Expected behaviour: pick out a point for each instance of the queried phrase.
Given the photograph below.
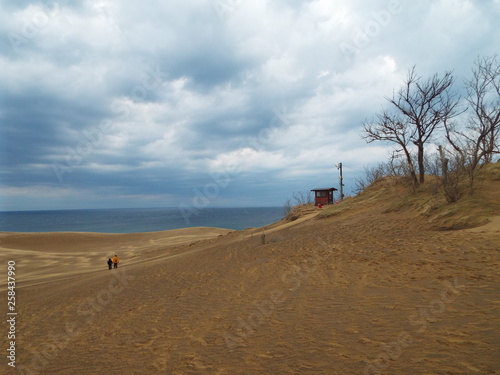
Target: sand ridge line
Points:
(492, 226)
(281, 226)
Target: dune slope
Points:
(369, 289)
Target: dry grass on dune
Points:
(372, 285)
(428, 203)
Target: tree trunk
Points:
(421, 167)
(413, 175)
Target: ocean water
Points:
(136, 220)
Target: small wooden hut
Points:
(323, 196)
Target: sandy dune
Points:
(366, 292)
(43, 257)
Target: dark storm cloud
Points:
(130, 104)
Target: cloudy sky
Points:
(108, 104)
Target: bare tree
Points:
(372, 175)
(298, 198)
(452, 174)
(394, 167)
(392, 128)
(425, 105)
(287, 207)
(301, 197)
(418, 109)
(484, 99)
(398, 168)
(479, 140)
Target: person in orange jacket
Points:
(115, 261)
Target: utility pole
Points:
(339, 167)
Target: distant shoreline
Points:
(130, 209)
(135, 220)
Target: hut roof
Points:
(324, 189)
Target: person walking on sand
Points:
(110, 262)
(115, 261)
